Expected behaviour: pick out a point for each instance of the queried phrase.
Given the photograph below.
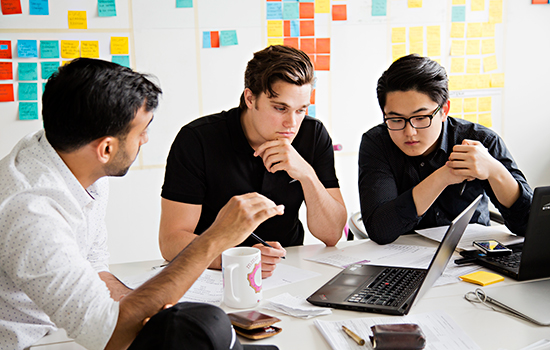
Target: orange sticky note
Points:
(307, 28)
(11, 7)
(339, 13)
(77, 20)
(215, 39)
(307, 45)
(322, 45)
(5, 49)
(119, 45)
(322, 62)
(6, 92)
(6, 71)
(286, 28)
(307, 10)
(312, 97)
(292, 42)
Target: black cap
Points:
(191, 326)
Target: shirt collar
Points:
(82, 195)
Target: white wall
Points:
(167, 43)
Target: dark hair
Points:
(417, 73)
(88, 99)
(276, 63)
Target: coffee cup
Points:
(242, 277)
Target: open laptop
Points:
(533, 260)
(529, 300)
(367, 288)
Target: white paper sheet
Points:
(441, 332)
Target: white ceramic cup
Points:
(242, 277)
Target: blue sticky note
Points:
(3, 47)
(184, 3)
(27, 71)
(27, 48)
(206, 41)
(106, 8)
(458, 14)
(48, 68)
(49, 49)
(306, 0)
(28, 110)
(123, 60)
(28, 92)
(291, 10)
(228, 38)
(379, 7)
(294, 29)
(39, 7)
(311, 111)
(274, 10)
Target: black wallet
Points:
(403, 336)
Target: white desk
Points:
(489, 329)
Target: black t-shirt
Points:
(211, 161)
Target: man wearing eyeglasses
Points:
(421, 168)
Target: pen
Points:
(354, 336)
(463, 187)
(253, 235)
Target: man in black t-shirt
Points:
(267, 145)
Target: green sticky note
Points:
(106, 8)
(49, 49)
(228, 37)
(122, 60)
(27, 71)
(28, 110)
(28, 92)
(48, 68)
(184, 3)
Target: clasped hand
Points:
(281, 155)
(470, 160)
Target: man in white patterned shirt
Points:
(53, 196)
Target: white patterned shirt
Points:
(52, 246)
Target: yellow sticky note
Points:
(497, 80)
(472, 47)
(473, 66)
(119, 45)
(77, 20)
(275, 28)
(415, 3)
(470, 104)
(484, 81)
(495, 11)
(457, 48)
(417, 48)
(434, 40)
(484, 104)
(487, 30)
(470, 81)
(456, 82)
(473, 30)
(459, 2)
(456, 106)
(65, 62)
(322, 6)
(478, 5)
(398, 35)
(275, 41)
(70, 48)
(487, 46)
(471, 117)
(89, 49)
(490, 63)
(434, 49)
(416, 34)
(457, 30)
(398, 51)
(457, 65)
(485, 119)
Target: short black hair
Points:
(276, 63)
(417, 73)
(87, 99)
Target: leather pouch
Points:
(404, 336)
(254, 324)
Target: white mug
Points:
(242, 277)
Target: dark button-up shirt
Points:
(387, 177)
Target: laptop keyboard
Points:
(390, 287)
(511, 261)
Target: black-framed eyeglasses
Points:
(417, 122)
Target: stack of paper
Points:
(295, 306)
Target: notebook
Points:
(529, 300)
(533, 261)
(370, 288)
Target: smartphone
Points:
(492, 247)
